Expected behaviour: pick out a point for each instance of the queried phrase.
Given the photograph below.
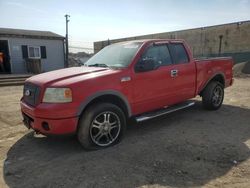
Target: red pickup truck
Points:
(139, 79)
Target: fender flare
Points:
(211, 78)
(102, 93)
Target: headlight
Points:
(57, 95)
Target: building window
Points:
(34, 52)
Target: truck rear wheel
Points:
(213, 95)
(101, 125)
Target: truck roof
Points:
(152, 40)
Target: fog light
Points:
(45, 126)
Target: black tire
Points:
(213, 95)
(91, 126)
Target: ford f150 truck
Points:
(139, 79)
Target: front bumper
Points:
(47, 126)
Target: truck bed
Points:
(207, 67)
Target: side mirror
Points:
(145, 65)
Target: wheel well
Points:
(109, 98)
(217, 78)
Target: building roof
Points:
(21, 33)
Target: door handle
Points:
(174, 73)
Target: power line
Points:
(80, 41)
(78, 47)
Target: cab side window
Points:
(160, 54)
(178, 53)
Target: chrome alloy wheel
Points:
(217, 96)
(105, 128)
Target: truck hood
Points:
(63, 74)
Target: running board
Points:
(154, 114)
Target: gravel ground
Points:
(188, 148)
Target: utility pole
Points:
(67, 42)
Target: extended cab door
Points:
(153, 89)
(183, 72)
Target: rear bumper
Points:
(229, 82)
(232, 81)
(47, 126)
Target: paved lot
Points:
(192, 147)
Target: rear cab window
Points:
(178, 53)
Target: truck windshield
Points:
(115, 56)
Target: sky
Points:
(96, 20)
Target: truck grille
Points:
(31, 94)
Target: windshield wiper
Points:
(98, 65)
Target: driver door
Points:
(152, 89)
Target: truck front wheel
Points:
(101, 125)
(213, 95)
